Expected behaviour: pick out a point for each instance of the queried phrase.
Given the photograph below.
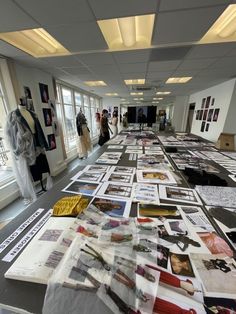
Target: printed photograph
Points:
(220, 305)
(212, 101)
(111, 207)
(183, 195)
(203, 102)
(44, 92)
(178, 227)
(155, 176)
(159, 211)
(27, 92)
(77, 187)
(51, 235)
(52, 141)
(203, 126)
(210, 114)
(207, 127)
(215, 115)
(117, 189)
(181, 265)
(119, 177)
(215, 244)
(121, 169)
(93, 177)
(47, 114)
(208, 102)
(205, 115)
(200, 114)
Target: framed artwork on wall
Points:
(208, 102)
(215, 115)
(47, 114)
(52, 141)
(212, 101)
(203, 102)
(207, 127)
(27, 92)
(210, 114)
(205, 115)
(44, 92)
(197, 114)
(203, 126)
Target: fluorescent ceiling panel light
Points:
(136, 94)
(178, 80)
(36, 42)
(163, 93)
(224, 29)
(138, 98)
(135, 82)
(111, 94)
(155, 102)
(133, 32)
(138, 102)
(123, 99)
(95, 83)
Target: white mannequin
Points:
(27, 116)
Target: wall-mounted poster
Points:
(52, 141)
(215, 115)
(55, 127)
(47, 114)
(29, 100)
(205, 115)
(203, 102)
(53, 108)
(44, 92)
(207, 127)
(200, 114)
(212, 101)
(210, 114)
(208, 102)
(203, 126)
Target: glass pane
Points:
(2, 113)
(67, 97)
(78, 99)
(77, 109)
(94, 125)
(70, 136)
(86, 100)
(92, 102)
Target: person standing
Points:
(84, 141)
(114, 123)
(104, 128)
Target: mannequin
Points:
(84, 141)
(27, 144)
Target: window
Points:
(71, 101)
(6, 173)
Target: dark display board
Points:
(142, 114)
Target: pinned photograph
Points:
(44, 92)
(215, 115)
(181, 265)
(208, 100)
(203, 102)
(52, 141)
(76, 187)
(111, 207)
(200, 114)
(47, 114)
(155, 176)
(178, 194)
(119, 190)
(205, 115)
(210, 114)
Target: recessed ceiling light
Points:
(111, 94)
(138, 98)
(36, 42)
(95, 83)
(155, 102)
(134, 32)
(163, 93)
(135, 82)
(123, 99)
(178, 80)
(136, 94)
(224, 29)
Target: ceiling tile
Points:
(79, 37)
(62, 62)
(10, 51)
(224, 63)
(61, 12)
(133, 67)
(12, 18)
(158, 75)
(184, 26)
(96, 58)
(106, 9)
(173, 53)
(77, 71)
(105, 70)
(163, 66)
(196, 64)
(134, 56)
(170, 5)
(210, 50)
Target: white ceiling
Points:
(179, 24)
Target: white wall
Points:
(180, 113)
(31, 77)
(222, 94)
